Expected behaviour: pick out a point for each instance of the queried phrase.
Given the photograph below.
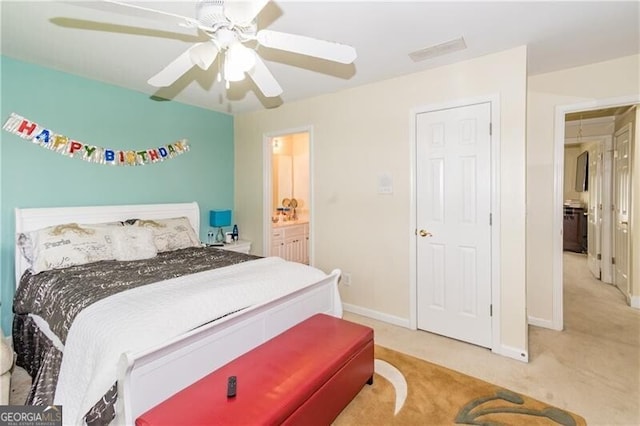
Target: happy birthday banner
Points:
(46, 138)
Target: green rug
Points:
(434, 395)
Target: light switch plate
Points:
(385, 183)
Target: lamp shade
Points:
(219, 218)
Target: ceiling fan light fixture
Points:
(238, 60)
(231, 71)
(240, 56)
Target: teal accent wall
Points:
(107, 116)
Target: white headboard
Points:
(38, 218)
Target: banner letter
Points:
(131, 158)
(74, 146)
(59, 140)
(89, 150)
(43, 136)
(29, 127)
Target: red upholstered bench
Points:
(304, 376)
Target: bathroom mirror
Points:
(290, 170)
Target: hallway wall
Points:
(545, 92)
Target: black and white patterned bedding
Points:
(58, 296)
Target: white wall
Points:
(362, 132)
(571, 153)
(635, 217)
(570, 162)
(545, 92)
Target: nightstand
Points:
(241, 246)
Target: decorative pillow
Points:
(70, 244)
(25, 245)
(170, 234)
(133, 243)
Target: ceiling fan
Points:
(229, 24)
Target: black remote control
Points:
(231, 386)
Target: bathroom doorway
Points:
(288, 195)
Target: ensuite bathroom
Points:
(290, 164)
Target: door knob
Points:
(424, 233)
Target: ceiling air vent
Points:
(438, 50)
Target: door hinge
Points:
(599, 256)
(490, 129)
(490, 219)
(613, 260)
(491, 310)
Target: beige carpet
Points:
(439, 396)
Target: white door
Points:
(453, 194)
(621, 205)
(606, 201)
(594, 220)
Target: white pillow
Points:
(133, 243)
(69, 244)
(171, 234)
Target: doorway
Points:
(588, 172)
(287, 200)
(559, 200)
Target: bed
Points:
(133, 348)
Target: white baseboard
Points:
(503, 350)
(510, 352)
(635, 302)
(540, 322)
(380, 316)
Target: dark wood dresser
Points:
(575, 229)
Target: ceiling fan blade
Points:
(242, 12)
(263, 78)
(140, 12)
(203, 54)
(176, 68)
(329, 50)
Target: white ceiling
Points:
(126, 51)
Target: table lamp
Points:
(218, 219)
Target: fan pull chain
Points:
(219, 76)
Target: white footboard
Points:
(148, 378)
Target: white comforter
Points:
(146, 316)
